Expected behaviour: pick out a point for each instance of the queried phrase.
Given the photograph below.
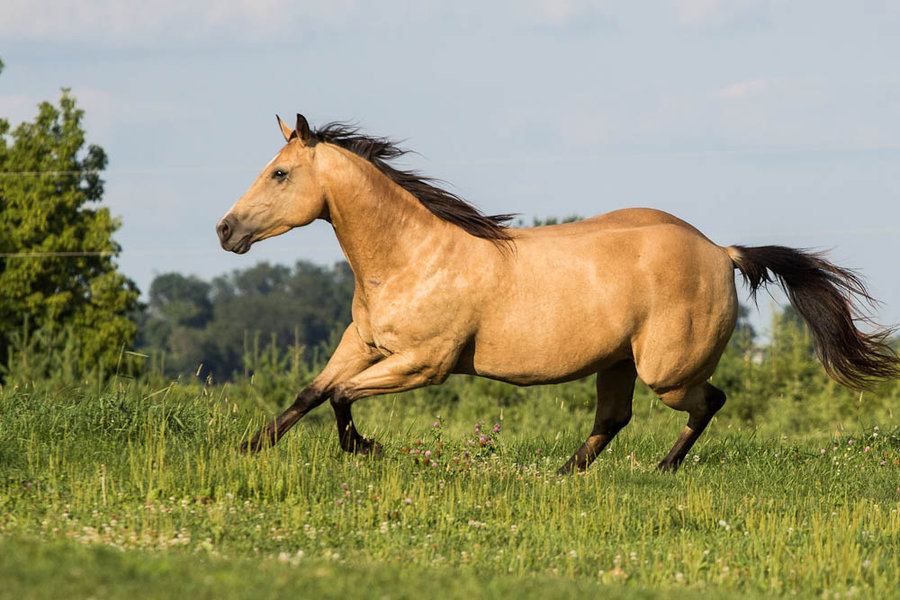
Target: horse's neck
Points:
(381, 227)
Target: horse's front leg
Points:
(351, 357)
(397, 373)
(350, 439)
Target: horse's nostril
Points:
(224, 230)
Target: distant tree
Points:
(180, 300)
(744, 334)
(57, 266)
(538, 222)
(219, 324)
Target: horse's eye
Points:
(279, 174)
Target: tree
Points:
(57, 268)
(221, 325)
(181, 300)
(538, 222)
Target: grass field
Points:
(132, 489)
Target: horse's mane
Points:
(445, 205)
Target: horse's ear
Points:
(285, 130)
(302, 129)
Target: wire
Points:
(154, 171)
(53, 254)
(39, 173)
(212, 249)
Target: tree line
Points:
(212, 328)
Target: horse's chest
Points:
(392, 322)
(378, 323)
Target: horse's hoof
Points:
(667, 467)
(368, 447)
(250, 447)
(573, 465)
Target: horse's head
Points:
(286, 194)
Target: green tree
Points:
(181, 300)
(57, 268)
(538, 222)
(226, 325)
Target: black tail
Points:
(830, 300)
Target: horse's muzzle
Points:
(225, 229)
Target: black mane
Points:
(443, 204)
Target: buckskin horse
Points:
(441, 288)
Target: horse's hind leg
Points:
(615, 388)
(701, 403)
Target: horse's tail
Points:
(830, 299)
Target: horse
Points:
(441, 288)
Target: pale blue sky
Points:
(757, 121)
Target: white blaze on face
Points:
(269, 164)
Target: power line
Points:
(39, 173)
(185, 251)
(148, 171)
(54, 254)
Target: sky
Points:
(758, 121)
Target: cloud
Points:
(770, 113)
(117, 23)
(745, 89)
(564, 14)
(761, 111)
(722, 14)
(106, 115)
(16, 108)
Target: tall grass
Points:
(135, 467)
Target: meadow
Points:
(131, 487)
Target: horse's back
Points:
(625, 218)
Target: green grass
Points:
(132, 490)
(32, 569)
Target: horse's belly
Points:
(545, 348)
